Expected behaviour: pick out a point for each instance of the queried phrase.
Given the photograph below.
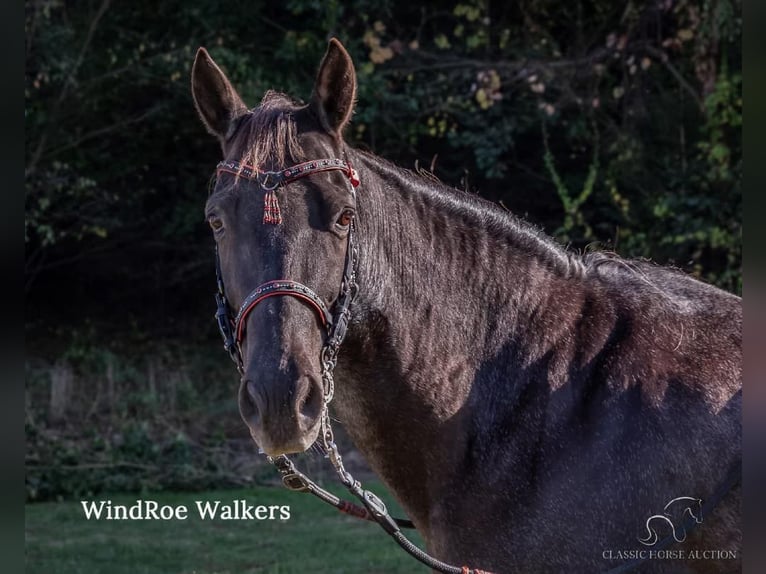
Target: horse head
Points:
(695, 510)
(274, 225)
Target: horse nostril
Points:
(310, 406)
(248, 402)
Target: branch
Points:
(523, 67)
(102, 131)
(684, 83)
(38, 153)
(139, 63)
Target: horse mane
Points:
(607, 267)
(489, 216)
(610, 264)
(268, 134)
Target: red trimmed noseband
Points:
(275, 288)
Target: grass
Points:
(316, 538)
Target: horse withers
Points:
(529, 407)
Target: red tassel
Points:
(354, 178)
(271, 212)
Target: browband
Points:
(273, 179)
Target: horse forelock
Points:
(267, 137)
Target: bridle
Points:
(334, 321)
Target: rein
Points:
(335, 324)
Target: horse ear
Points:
(334, 89)
(216, 100)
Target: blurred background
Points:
(610, 124)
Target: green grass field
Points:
(316, 538)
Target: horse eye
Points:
(215, 223)
(345, 218)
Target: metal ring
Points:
(265, 182)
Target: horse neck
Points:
(445, 284)
(450, 275)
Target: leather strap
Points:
(273, 289)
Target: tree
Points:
(616, 124)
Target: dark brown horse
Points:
(530, 408)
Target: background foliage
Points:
(609, 124)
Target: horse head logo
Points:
(673, 515)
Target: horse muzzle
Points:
(283, 417)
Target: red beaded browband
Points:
(271, 180)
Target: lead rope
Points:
(374, 508)
(377, 508)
